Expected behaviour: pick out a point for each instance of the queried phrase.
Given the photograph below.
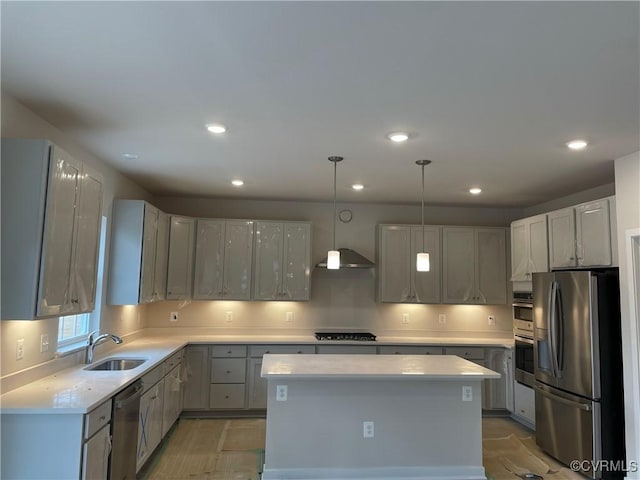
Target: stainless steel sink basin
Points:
(114, 364)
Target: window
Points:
(74, 329)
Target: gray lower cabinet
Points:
(228, 377)
(496, 393)
(409, 350)
(97, 445)
(150, 416)
(196, 385)
(257, 396)
(347, 349)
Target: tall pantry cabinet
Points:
(51, 218)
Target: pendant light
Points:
(422, 259)
(333, 257)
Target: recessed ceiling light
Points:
(475, 191)
(357, 186)
(129, 156)
(237, 183)
(216, 128)
(577, 144)
(398, 137)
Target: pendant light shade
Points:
(422, 259)
(333, 256)
(422, 262)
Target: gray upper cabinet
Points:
(137, 266)
(474, 265)
(162, 248)
(180, 263)
(581, 236)
(51, 218)
(282, 261)
(399, 281)
(224, 250)
(529, 251)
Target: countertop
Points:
(78, 391)
(368, 367)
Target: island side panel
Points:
(416, 423)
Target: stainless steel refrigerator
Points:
(579, 404)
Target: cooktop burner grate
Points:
(352, 336)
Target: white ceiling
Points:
(489, 91)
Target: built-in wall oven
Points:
(523, 337)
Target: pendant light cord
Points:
(423, 208)
(335, 170)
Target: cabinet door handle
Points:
(102, 417)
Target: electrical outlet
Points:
(442, 318)
(20, 349)
(405, 318)
(467, 394)
(44, 343)
(492, 320)
(367, 430)
(229, 317)
(289, 317)
(173, 317)
(281, 393)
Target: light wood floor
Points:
(221, 449)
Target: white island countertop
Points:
(351, 367)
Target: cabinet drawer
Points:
(347, 349)
(222, 395)
(229, 351)
(151, 378)
(228, 370)
(409, 350)
(468, 353)
(524, 402)
(260, 350)
(97, 418)
(172, 361)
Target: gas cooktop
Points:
(352, 336)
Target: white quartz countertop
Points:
(76, 390)
(370, 367)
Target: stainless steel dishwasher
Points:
(124, 431)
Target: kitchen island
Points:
(374, 417)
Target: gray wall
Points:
(628, 217)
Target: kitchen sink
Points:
(114, 364)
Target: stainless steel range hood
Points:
(349, 259)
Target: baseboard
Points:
(377, 473)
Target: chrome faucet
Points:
(93, 342)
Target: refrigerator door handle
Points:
(552, 327)
(559, 320)
(564, 401)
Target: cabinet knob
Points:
(102, 417)
(267, 351)
(226, 396)
(228, 371)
